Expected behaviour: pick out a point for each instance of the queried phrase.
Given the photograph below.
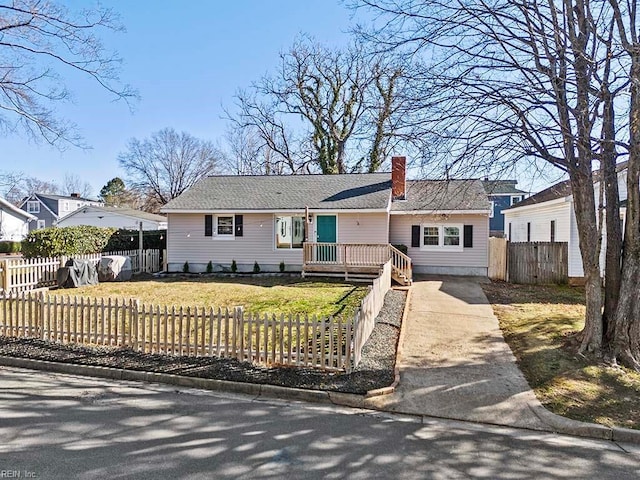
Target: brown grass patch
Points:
(536, 322)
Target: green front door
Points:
(326, 233)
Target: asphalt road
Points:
(56, 426)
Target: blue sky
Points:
(186, 59)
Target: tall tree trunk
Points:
(627, 319)
(613, 256)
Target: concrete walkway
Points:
(454, 361)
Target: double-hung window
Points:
(224, 225)
(289, 231)
(33, 206)
(442, 237)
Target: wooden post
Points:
(140, 249)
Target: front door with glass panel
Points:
(326, 233)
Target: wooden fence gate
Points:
(498, 258)
(538, 262)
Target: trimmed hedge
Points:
(55, 242)
(128, 240)
(9, 247)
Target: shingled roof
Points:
(559, 190)
(443, 195)
(368, 191)
(502, 187)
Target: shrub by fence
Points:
(65, 241)
(333, 343)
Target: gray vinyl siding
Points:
(45, 215)
(186, 243)
(467, 261)
(363, 228)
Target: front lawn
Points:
(257, 294)
(536, 322)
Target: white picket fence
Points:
(21, 274)
(332, 343)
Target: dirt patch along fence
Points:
(332, 343)
(22, 274)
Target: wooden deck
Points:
(355, 261)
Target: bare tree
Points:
(515, 79)
(72, 183)
(38, 41)
(163, 166)
(248, 154)
(323, 109)
(15, 186)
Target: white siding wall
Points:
(12, 227)
(108, 219)
(363, 227)
(540, 219)
(469, 261)
(575, 257)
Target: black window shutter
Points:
(208, 225)
(415, 235)
(468, 236)
(239, 230)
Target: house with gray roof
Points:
(49, 208)
(549, 216)
(502, 194)
(115, 217)
(329, 220)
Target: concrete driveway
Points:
(454, 361)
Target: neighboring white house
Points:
(116, 217)
(14, 222)
(549, 216)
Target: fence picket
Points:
(285, 339)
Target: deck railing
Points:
(354, 254)
(342, 256)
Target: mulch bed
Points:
(374, 371)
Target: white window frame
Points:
(493, 206)
(32, 203)
(441, 246)
(290, 247)
(40, 224)
(65, 206)
(519, 199)
(224, 236)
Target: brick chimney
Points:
(398, 178)
(75, 195)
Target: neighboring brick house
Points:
(502, 195)
(48, 208)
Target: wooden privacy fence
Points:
(538, 262)
(21, 274)
(332, 343)
(497, 258)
